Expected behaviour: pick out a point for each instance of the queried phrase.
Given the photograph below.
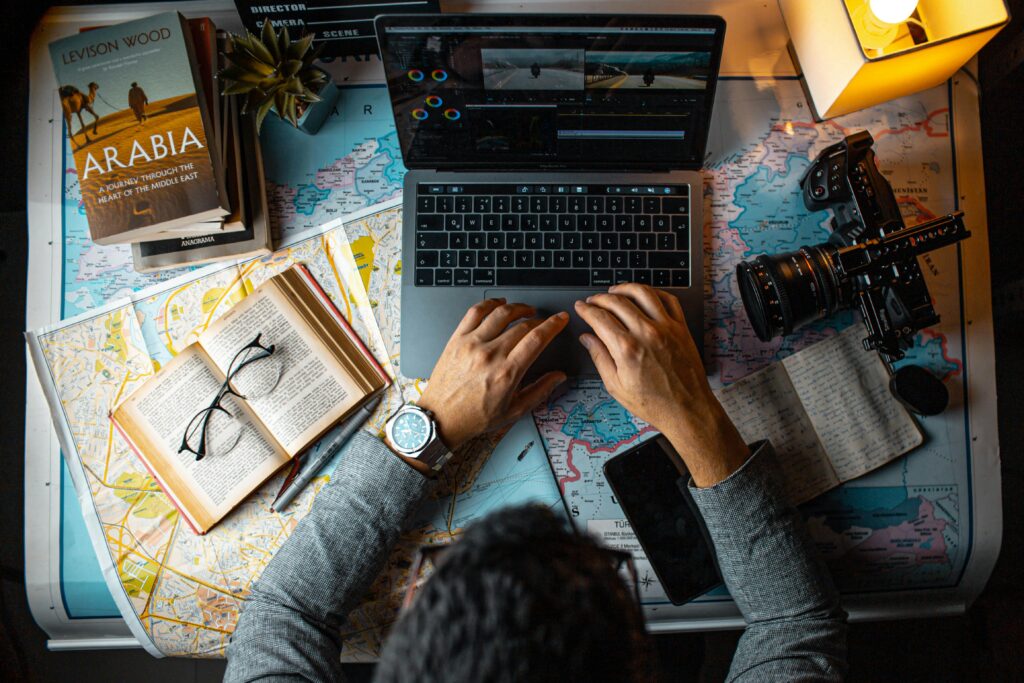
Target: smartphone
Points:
(650, 482)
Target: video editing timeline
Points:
(553, 96)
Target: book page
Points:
(764, 405)
(845, 391)
(155, 417)
(313, 391)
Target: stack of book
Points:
(164, 162)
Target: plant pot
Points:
(317, 112)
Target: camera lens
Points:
(783, 292)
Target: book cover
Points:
(140, 128)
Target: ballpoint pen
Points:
(316, 461)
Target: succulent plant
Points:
(272, 72)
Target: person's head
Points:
(134, 84)
(520, 598)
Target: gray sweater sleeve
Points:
(796, 630)
(289, 629)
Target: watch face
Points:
(410, 431)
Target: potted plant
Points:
(274, 72)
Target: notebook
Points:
(827, 411)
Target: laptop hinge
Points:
(558, 169)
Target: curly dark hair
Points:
(520, 598)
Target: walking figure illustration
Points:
(137, 100)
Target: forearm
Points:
(707, 441)
(290, 625)
(796, 628)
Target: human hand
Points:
(649, 363)
(475, 385)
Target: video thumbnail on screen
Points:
(532, 69)
(654, 70)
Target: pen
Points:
(525, 450)
(342, 434)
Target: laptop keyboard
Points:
(515, 235)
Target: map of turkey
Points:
(878, 532)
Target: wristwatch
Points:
(412, 434)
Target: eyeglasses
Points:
(429, 557)
(215, 428)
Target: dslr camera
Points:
(869, 262)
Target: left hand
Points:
(474, 388)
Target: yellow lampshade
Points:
(857, 53)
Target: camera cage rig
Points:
(869, 261)
(894, 303)
(877, 300)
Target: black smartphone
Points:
(650, 482)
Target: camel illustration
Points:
(73, 101)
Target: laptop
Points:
(548, 157)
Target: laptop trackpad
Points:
(565, 353)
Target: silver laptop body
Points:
(430, 313)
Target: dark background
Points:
(984, 644)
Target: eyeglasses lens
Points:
(258, 374)
(223, 430)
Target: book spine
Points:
(156, 477)
(200, 31)
(320, 294)
(205, 112)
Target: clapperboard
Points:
(342, 27)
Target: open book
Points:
(828, 413)
(325, 374)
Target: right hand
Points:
(649, 363)
(474, 387)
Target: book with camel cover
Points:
(140, 128)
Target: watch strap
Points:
(435, 454)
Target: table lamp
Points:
(856, 53)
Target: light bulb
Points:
(893, 11)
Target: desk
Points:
(955, 488)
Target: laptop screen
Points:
(551, 91)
